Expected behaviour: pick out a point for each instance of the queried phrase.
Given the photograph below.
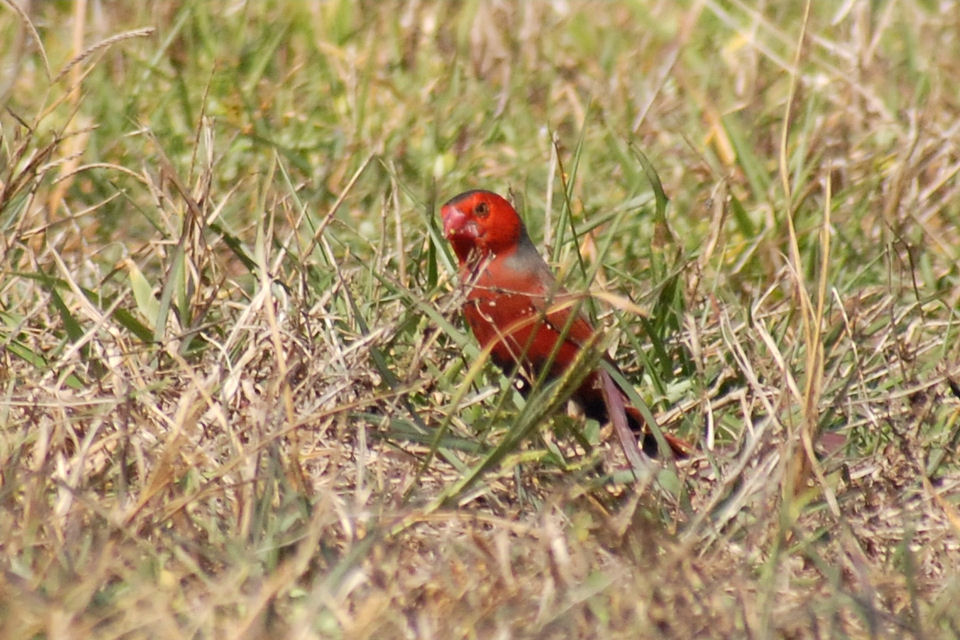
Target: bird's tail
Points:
(679, 448)
(601, 398)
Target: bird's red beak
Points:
(454, 221)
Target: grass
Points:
(237, 398)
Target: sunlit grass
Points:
(238, 399)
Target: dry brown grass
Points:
(236, 398)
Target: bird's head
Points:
(481, 223)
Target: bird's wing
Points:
(524, 272)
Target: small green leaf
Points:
(147, 304)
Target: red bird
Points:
(515, 304)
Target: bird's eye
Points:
(482, 210)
